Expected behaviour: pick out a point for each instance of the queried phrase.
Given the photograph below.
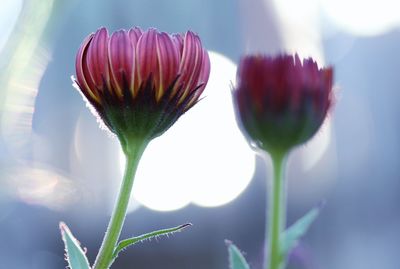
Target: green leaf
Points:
(236, 259)
(292, 235)
(131, 241)
(75, 255)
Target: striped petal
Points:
(82, 72)
(191, 62)
(204, 74)
(178, 40)
(146, 56)
(97, 58)
(122, 62)
(134, 34)
(202, 80)
(168, 62)
(205, 68)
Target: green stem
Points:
(277, 213)
(133, 153)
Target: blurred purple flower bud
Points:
(280, 101)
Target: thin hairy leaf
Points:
(73, 252)
(133, 240)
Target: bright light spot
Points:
(362, 17)
(203, 158)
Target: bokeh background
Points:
(57, 165)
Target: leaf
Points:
(75, 255)
(236, 259)
(291, 236)
(133, 240)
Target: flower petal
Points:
(191, 63)
(168, 62)
(134, 34)
(203, 77)
(205, 68)
(97, 58)
(146, 56)
(82, 76)
(178, 40)
(122, 62)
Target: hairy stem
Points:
(133, 152)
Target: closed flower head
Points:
(141, 82)
(281, 101)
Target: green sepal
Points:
(73, 252)
(292, 235)
(236, 258)
(122, 245)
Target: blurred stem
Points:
(277, 213)
(133, 152)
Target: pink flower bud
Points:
(141, 82)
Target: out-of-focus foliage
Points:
(236, 259)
